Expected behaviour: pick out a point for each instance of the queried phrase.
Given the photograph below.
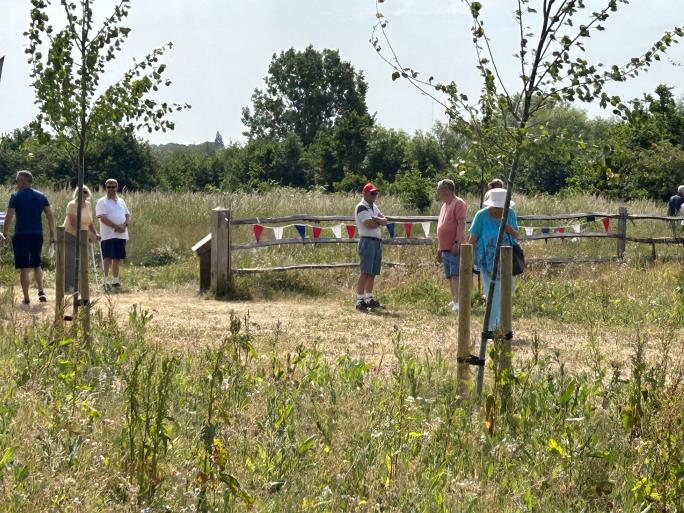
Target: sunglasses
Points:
(374, 193)
(111, 187)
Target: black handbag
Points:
(518, 260)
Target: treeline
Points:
(310, 128)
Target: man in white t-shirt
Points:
(114, 217)
(369, 219)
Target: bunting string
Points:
(336, 229)
(350, 229)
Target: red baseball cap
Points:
(369, 187)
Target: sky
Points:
(222, 49)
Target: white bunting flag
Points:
(426, 228)
(337, 230)
(278, 232)
(577, 228)
(529, 230)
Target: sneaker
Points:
(372, 303)
(454, 306)
(361, 305)
(26, 302)
(117, 284)
(42, 297)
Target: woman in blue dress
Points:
(484, 231)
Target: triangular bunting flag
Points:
(390, 229)
(407, 229)
(301, 229)
(316, 231)
(278, 232)
(351, 230)
(545, 231)
(337, 230)
(560, 229)
(426, 228)
(591, 219)
(529, 230)
(258, 230)
(577, 228)
(606, 224)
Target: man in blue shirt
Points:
(28, 205)
(674, 206)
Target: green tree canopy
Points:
(305, 92)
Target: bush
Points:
(160, 256)
(414, 190)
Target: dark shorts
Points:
(114, 249)
(370, 253)
(452, 264)
(27, 251)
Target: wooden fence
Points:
(216, 259)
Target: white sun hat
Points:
(497, 199)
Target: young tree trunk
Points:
(81, 159)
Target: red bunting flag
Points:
(316, 231)
(606, 223)
(560, 229)
(407, 229)
(351, 230)
(258, 230)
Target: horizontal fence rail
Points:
(616, 231)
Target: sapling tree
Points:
(552, 67)
(68, 68)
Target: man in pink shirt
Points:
(451, 233)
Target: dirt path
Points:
(186, 321)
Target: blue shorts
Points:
(370, 253)
(27, 250)
(114, 249)
(452, 264)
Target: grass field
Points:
(292, 401)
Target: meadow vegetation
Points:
(260, 420)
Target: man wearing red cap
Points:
(369, 219)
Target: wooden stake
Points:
(506, 304)
(622, 231)
(84, 286)
(59, 277)
(221, 277)
(464, 299)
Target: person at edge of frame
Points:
(26, 206)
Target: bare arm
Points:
(456, 246)
(8, 221)
(512, 231)
(51, 222)
(119, 228)
(473, 240)
(380, 220)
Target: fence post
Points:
(506, 306)
(221, 276)
(622, 230)
(464, 300)
(83, 284)
(59, 277)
